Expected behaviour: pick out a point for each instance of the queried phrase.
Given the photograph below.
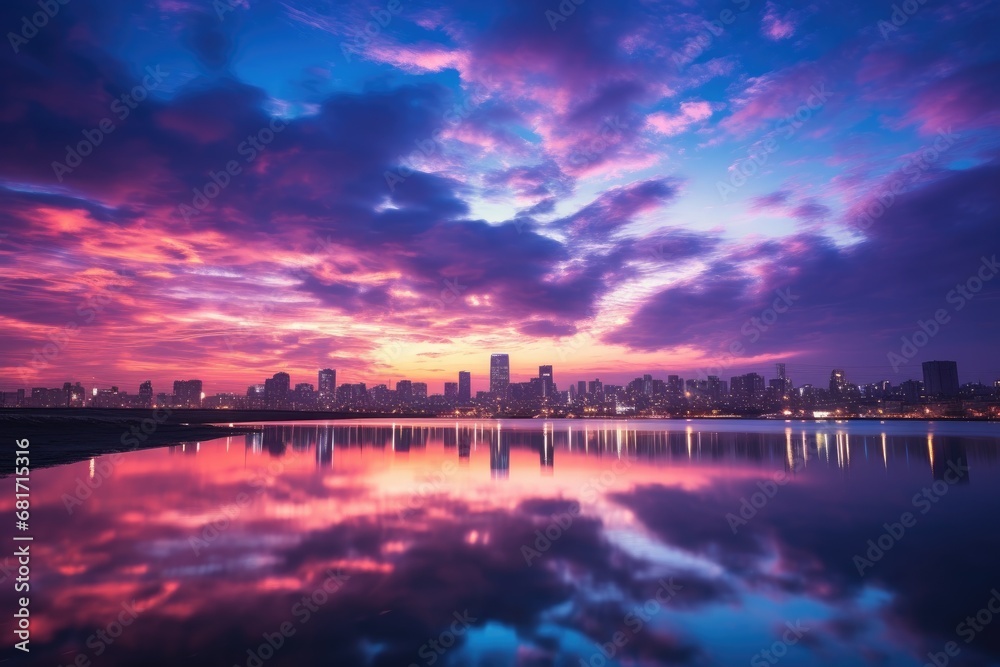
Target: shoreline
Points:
(202, 416)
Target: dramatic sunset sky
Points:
(615, 190)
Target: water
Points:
(525, 543)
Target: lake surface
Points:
(438, 542)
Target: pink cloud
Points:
(419, 58)
(774, 26)
(691, 112)
(778, 95)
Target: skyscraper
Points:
(404, 392)
(464, 386)
(451, 390)
(548, 385)
(276, 391)
(838, 382)
(784, 383)
(146, 394)
(419, 391)
(499, 373)
(327, 386)
(187, 393)
(941, 379)
(596, 389)
(746, 389)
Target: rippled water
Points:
(525, 543)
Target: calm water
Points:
(525, 543)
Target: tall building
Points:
(304, 397)
(838, 382)
(746, 389)
(596, 389)
(146, 394)
(784, 384)
(464, 386)
(911, 390)
(548, 384)
(713, 387)
(327, 384)
(187, 393)
(581, 389)
(404, 392)
(277, 390)
(941, 379)
(499, 373)
(419, 391)
(451, 390)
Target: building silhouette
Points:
(548, 384)
(838, 382)
(327, 386)
(464, 386)
(276, 391)
(187, 393)
(499, 374)
(941, 379)
(146, 394)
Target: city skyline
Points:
(612, 188)
(483, 382)
(940, 380)
(525, 332)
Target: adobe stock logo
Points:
(31, 25)
(566, 9)
(959, 297)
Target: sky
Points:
(397, 189)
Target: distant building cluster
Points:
(939, 394)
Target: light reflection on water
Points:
(554, 536)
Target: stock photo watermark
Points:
(959, 297)
(968, 629)
(561, 13)
(912, 170)
(697, 45)
(635, 621)
(106, 465)
(752, 329)
(223, 7)
(894, 532)
(381, 18)
(743, 170)
(431, 485)
(302, 611)
(749, 507)
(432, 650)
(122, 107)
(611, 133)
(251, 325)
(791, 636)
(229, 513)
(450, 294)
(105, 637)
(901, 14)
(249, 149)
(561, 522)
(430, 146)
(58, 342)
(31, 24)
